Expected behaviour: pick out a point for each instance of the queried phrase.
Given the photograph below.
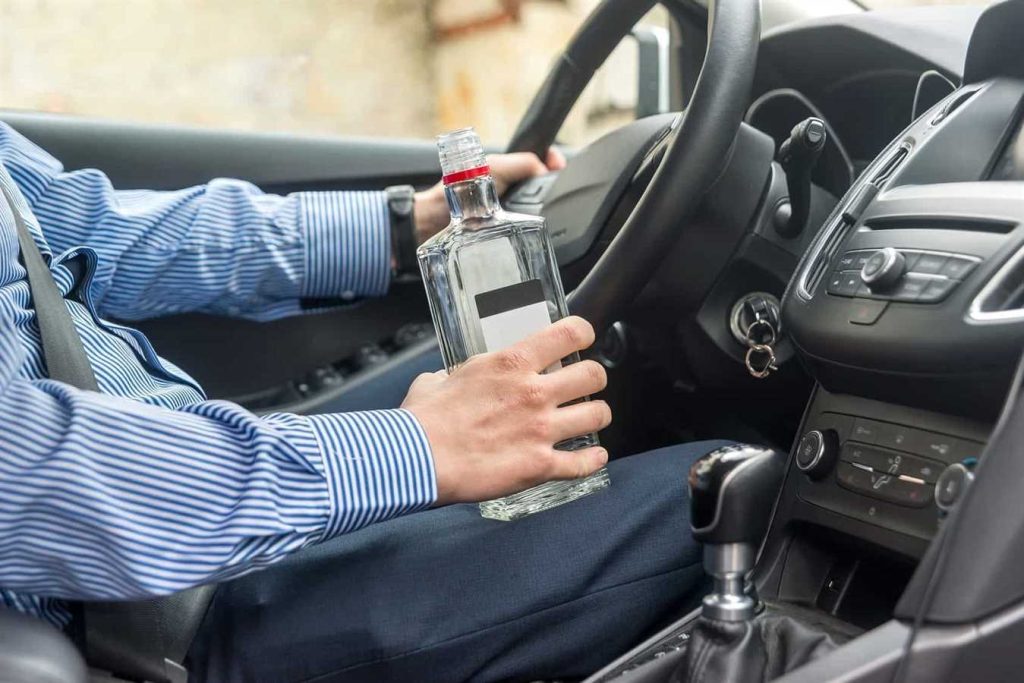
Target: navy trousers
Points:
(445, 595)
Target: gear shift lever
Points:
(731, 494)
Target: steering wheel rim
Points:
(695, 155)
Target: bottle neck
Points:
(473, 198)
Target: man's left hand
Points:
(431, 210)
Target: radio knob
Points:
(817, 451)
(883, 270)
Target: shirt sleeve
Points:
(224, 247)
(106, 498)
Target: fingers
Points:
(576, 464)
(581, 418)
(515, 167)
(555, 160)
(548, 346)
(575, 381)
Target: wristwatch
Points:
(401, 199)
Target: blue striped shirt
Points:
(146, 488)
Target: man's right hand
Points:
(492, 424)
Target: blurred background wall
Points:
(406, 68)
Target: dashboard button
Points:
(908, 493)
(929, 264)
(910, 288)
(865, 431)
(933, 445)
(893, 436)
(891, 462)
(958, 267)
(862, 258)
(854, 478)
(843, 283)
(963, 449)
(879, 461)
(911, 257)
(927, 471)
(936, 290)
(847, 260)
(864, 312)
(886, 487)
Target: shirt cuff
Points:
(378, 465)
(348, 244)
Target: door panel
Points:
(152, 157)
(239, 359)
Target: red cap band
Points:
(469, 173)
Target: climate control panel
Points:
(879, 472)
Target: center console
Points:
(908, 311)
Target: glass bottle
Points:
(492, 280)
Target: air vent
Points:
(860, 197)
(953, 104)
(891, 165)
(1002, 299)
(829, 245)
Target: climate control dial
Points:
(817, 452)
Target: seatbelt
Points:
(135, 639)
(63, 350)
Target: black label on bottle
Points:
(510, 314)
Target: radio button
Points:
(937, 290)
(846, 261)
(910, 288)
(958, 267)
(930, 264)
(862, 258)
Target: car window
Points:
(393, 68)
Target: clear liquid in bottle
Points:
(492, 280)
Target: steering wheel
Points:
(695, 146)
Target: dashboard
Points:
(860, 73)
(907, 307)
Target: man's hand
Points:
(492, 424)
(431, 210)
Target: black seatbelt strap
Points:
(134, 639)
(63, 350)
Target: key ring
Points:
(753, 326)
(768, 367)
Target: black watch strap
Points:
(401, 199)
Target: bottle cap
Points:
(462, 156)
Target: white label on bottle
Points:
(510, 314)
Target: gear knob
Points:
(732, 491)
